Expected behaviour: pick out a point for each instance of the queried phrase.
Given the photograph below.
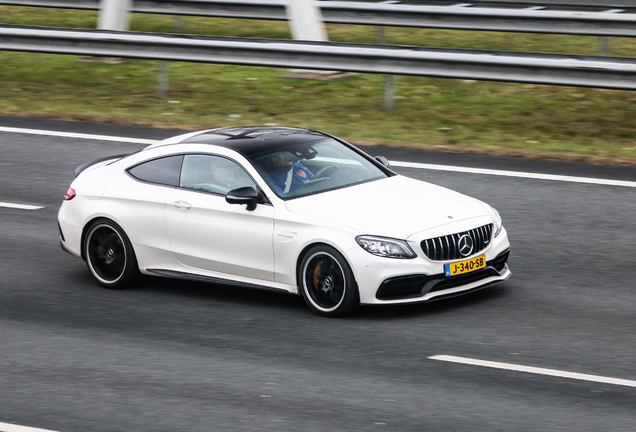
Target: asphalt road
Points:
(178, 356)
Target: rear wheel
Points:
(327, 283)
(109, 255)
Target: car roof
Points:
(253, 140)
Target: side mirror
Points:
(384, 161)
(245, 195)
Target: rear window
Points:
(163, 171)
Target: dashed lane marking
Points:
(76, 135)
(20, 206)
(518, 174)
(8, 427)
(535, 370)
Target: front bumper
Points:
(433, 286)
(397, 281)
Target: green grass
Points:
(450, 115)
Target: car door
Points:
(206, 232)
(139, 202)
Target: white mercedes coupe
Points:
(284, 209)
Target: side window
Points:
(163, 171)
(213, 174)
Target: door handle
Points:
(182, 205)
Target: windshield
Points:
(312, 167)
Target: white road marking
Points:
(8, 427)
(20, 206)
(535, 370)
(518, 174)
(77, 135)
(450, 168)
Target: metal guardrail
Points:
(557, 69)
(533, 19)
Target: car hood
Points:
(393, 207)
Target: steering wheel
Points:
(326, 171)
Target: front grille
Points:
(448, 247)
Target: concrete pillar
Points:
(114, 15)
(305, 20)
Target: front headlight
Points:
(385, 247)
(496, 219)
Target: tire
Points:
(109, 255)
(327, 284)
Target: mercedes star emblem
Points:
(465, 245)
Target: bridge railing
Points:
(554, 69)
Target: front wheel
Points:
(109, 255)
(327, 284)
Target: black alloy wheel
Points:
(109, 255)
(327, 284)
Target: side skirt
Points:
(210, 279)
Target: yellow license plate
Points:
(465, 266)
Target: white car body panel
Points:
(413, 203)
(214, 235)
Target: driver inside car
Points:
(285, 175)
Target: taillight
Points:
(70, 194)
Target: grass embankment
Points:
(451, 115)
